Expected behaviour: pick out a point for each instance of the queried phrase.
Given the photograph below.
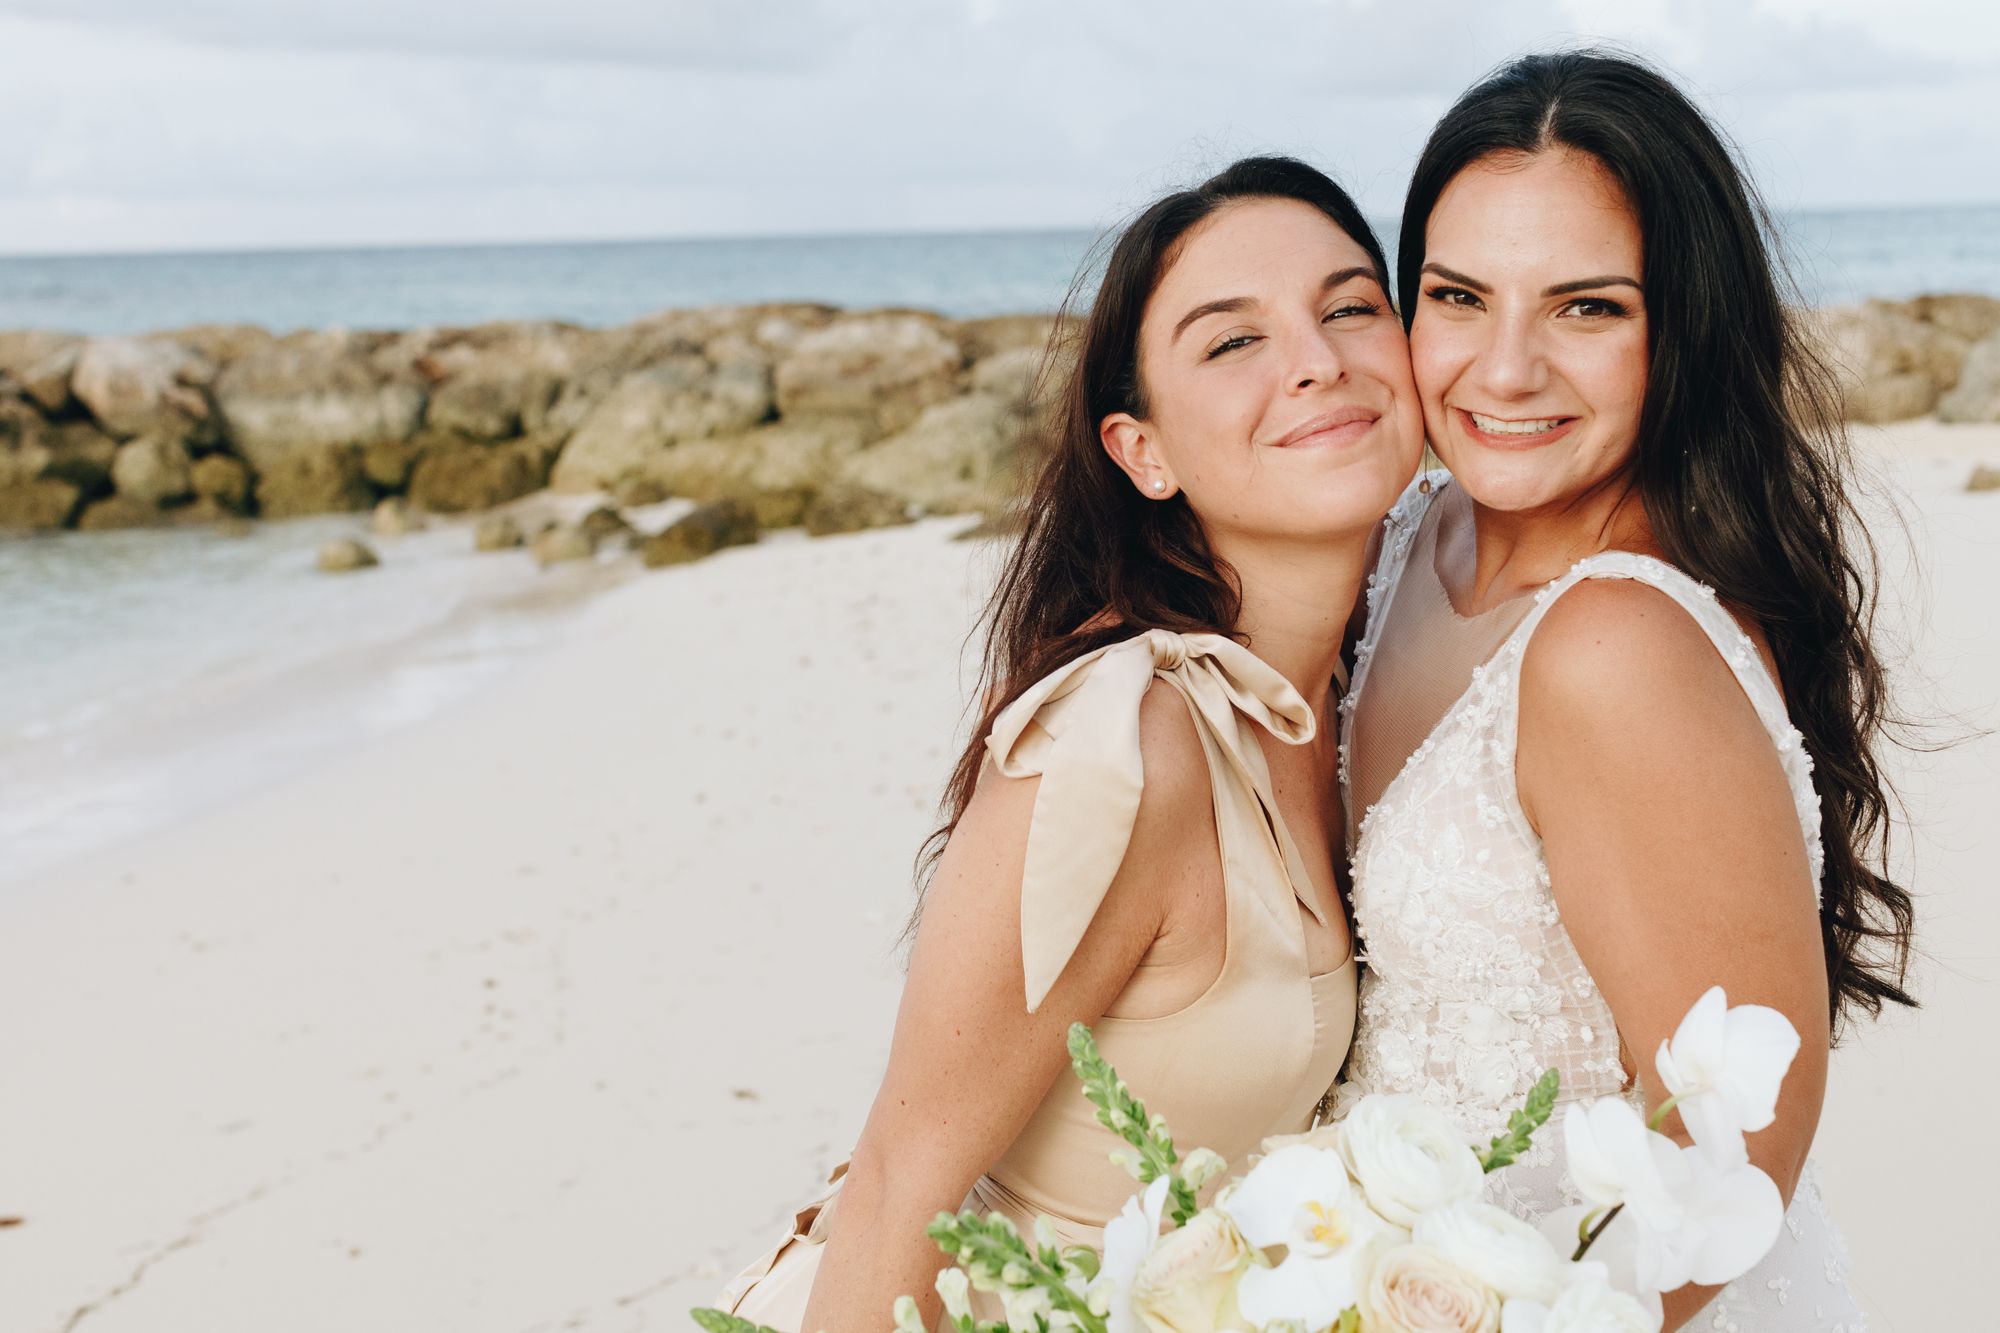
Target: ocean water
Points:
(1837, 256)
(146, 674)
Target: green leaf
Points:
(1522, 1124)
(715, 1321)
(1126, 1116)
(1350, 1320)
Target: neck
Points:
(1517, 551)
(1296, 599)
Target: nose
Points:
(1511, 364)
(1313, 361)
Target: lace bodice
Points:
(1472, 987)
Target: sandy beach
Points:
(540, 1014)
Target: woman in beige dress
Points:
(1141, 835)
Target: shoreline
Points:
(157, 753)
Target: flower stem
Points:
(1590, 1238)
(1655, 1120)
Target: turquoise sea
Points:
(1838, 257)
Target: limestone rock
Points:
(223, 479)
(315, 393)
(558, 544)
(703, 532)
(653, 409)
(114, 512)
(139, 386)
(498, 532)
(387, 464)
(850, 508)
(1977, 394)
(153, 469)
(1892, 364)
(41, 361)
(882, 368)
(344, 554)
(498, 380)
(221, 344)
(605, 523)
(393, 517)
(994, 334)
(1973, 318)
(33, 449)
(779, 506)
(778, 455)
(327, 480)
(455, 475)
(29, 506)
(958, 457)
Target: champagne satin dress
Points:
(1255, 1055)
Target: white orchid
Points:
(1723, 1067)
(1128, 1239)
(1301, 1198)
(1730, 1215)
(1695, 1217)
(1614, 1159)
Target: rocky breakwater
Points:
(802, 413)
(1931, 355)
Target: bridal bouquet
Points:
(1375, 1224)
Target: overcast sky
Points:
(179, 124)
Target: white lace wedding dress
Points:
(1472, 988)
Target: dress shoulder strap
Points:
(1078, 730)
(1735, 647)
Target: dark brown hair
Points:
(1096, 562)
(1742, 460)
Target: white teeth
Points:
(1495, 426)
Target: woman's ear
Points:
(1130, 444)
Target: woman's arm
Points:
(1673, 845)
(969, 1064)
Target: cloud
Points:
(690, 34)
(255, 125)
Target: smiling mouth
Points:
(1502, 426)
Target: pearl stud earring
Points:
(1159, 485)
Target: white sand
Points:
(540, 1015)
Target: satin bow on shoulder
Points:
(1078, 729)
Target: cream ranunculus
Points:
(1412, 1288)
(1589, 1304)
(1407, 1157)
(1188, 1283)
(1499, 1249)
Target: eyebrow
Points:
(1231, 304)
(1560, 289)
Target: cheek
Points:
(1436, 358)
(1616, 378)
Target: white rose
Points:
(1414, 1289)
(1407, 1157)
(1188, 1283)
(1494, 1246)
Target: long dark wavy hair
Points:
(1742, 461)
(1096, 562)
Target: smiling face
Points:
(1529, 339)
(1277, 380)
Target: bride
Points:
(1142, 834)
(1609, 739)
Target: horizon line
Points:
(534, 242)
